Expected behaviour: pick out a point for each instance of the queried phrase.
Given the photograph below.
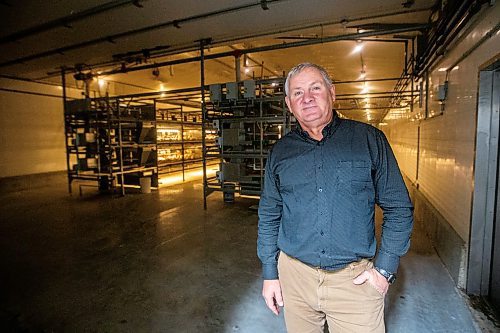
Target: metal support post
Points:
(203, 120)
(237, 67)
(64, 96)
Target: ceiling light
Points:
(101, 82)
(362, 74)
(247, 70)
(442, 69)
(358, 48)
(162, 86)
(365, 88)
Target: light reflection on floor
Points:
(189, 175)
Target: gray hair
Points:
(300, 67)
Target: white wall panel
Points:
(445, 174)
(404, 144)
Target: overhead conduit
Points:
(67, 20)
(112, 38)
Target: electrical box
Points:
(215, 92)
(231, 171)
(441, 91)
(232, 91)
(249, 89)
(231, 136)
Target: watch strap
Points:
(390, 277)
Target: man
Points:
(316, 236)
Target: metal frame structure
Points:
(110, 141)
(114, 137)
(394, 96)
(249, 117)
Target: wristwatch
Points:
(390, 277)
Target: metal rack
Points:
(112, 143)
(248, 117)
(179, 139)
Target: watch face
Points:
(391, 278)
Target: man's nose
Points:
(308, 96)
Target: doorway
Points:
(483, 276)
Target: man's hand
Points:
(374, 278)
(271, 291)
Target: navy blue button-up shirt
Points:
(318, 201)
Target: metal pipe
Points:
(446, 26)
(112, 38)
(29, 92)
(63, 80)
(203, 120)
(486, 36)
(372, 108)
(367, 80)
(448, 31)
(252, 59)
(237, 67)
(412, 77)
(354, 36)
(222, 42)
(406, 58)
(228, 40)
(65, 21)
(372, 93)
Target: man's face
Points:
(310, 99)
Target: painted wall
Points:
(32, 123)
(447, 142)
(32, 131)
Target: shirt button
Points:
(323, 251)
(321, 233)
(320, 189)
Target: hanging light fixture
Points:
(358, 47)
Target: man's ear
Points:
(332, 92)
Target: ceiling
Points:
(38, 39)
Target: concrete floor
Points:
(159, 263)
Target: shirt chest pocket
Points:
(356, 178)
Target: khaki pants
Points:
(312, 296)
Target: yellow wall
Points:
(31, 128)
